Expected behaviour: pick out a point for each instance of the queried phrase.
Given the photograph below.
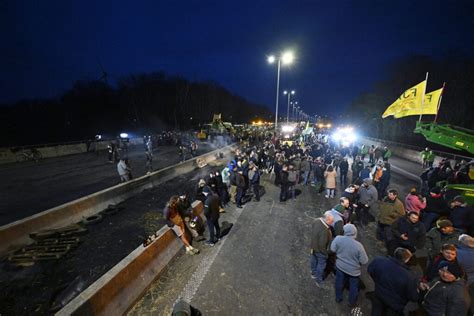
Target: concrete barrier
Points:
(9, 155)
(16, 234)
(118, 289)
(399, 151)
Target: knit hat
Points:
(442, 223)
(452, 267)
(459, 199)
(350, 230)
(466, 240)
(368, 181)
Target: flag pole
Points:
(439, 102)
(423, 97)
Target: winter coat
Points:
(462, 217)
(436, 204)
(465, 256)
(390, 211)
(435, 239)
(414, 204)
(321, 236)
(415, 232)
(364, 174)
(330, 177)
(292, 177)
(350, 254)
(305, 166)
(225, 176)
(211, 206)
(344, 166)
(240, 181)
(393, 291)
(368, 195)
(446, 299)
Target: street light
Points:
(286, 58)
(288, 109)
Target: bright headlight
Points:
(287, 128)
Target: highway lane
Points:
(31, 187)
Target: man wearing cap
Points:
(461, 215)
(442, 233)
(393, 293)
(350, 256)
(211, 211)
(446, 294)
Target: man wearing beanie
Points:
(447, 294)
(442, 233)
(350, 256)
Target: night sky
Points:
(341, 46)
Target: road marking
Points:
(201, 271)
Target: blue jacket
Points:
(393, 291)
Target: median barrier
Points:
(16, 234)
(119, 288)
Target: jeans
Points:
(240, 194)
(211, 224)
(343, 177)
(341, 279)
(283, 192)
(330, 192)
(306, 177)
(363, 214)
(256, 191)
(318, 264)
(384, 232)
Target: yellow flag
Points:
(430, 105)
(408, 100)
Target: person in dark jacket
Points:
(392, 293)
(321, 238)
(461, 215)
(240, 182)
(436, 207)
(284, 183)
(408, 232)
(343, 169)
(255, 182)
(211, 211)
(447, 293)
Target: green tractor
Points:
(455, 138)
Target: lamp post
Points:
(285, 58)
(294, 104)
(289, 93)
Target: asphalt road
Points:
(31, 187)
(262, 266)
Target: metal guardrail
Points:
(418, 148)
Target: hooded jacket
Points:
(350, 254)
(394, 292)
(368, 195)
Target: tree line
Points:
(142, 103)
(457, 104)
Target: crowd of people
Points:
(358, 180)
